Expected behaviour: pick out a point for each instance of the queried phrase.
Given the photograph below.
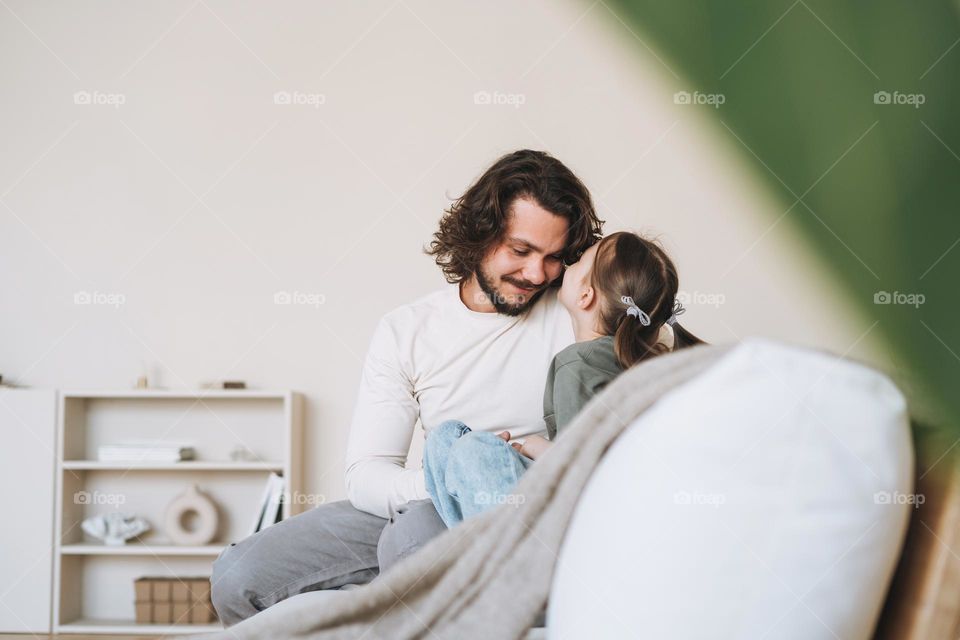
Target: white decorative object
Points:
(240, 453)
(195, 503)
(115, 528)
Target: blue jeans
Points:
(468, 472)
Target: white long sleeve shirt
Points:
(434, 360)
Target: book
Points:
(262, 505)
(271, 514)
(269, 511)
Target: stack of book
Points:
(144, 451)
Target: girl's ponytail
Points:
(633, 342)
(681, 337)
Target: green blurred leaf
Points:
(873, 184)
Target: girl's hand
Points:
(505, 436)
(534, 447)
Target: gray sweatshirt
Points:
(577, 374)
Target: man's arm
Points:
(383, 423)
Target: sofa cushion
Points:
(766, 498)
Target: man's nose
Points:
(535, 273)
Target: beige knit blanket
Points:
(490, 576)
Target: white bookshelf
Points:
(93, 583)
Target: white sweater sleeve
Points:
(383, 423)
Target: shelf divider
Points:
(140, 549)
(186, 465)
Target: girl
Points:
(619, 296)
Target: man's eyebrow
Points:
(528, 244)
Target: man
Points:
(478, 352)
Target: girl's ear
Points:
(587, 298)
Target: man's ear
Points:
(587, 298)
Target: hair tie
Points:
(635, 311)
(678, 310)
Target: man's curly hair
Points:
(477, 220)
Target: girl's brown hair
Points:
(629, 265)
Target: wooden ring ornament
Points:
(192, 501)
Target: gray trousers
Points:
(328, 547)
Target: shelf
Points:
(141, 549)
(91, 626)
(183, 394)
(187, 465)
(93, 582)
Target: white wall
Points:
(198, 198)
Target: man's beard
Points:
(513, 305)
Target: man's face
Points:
(515, 272)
